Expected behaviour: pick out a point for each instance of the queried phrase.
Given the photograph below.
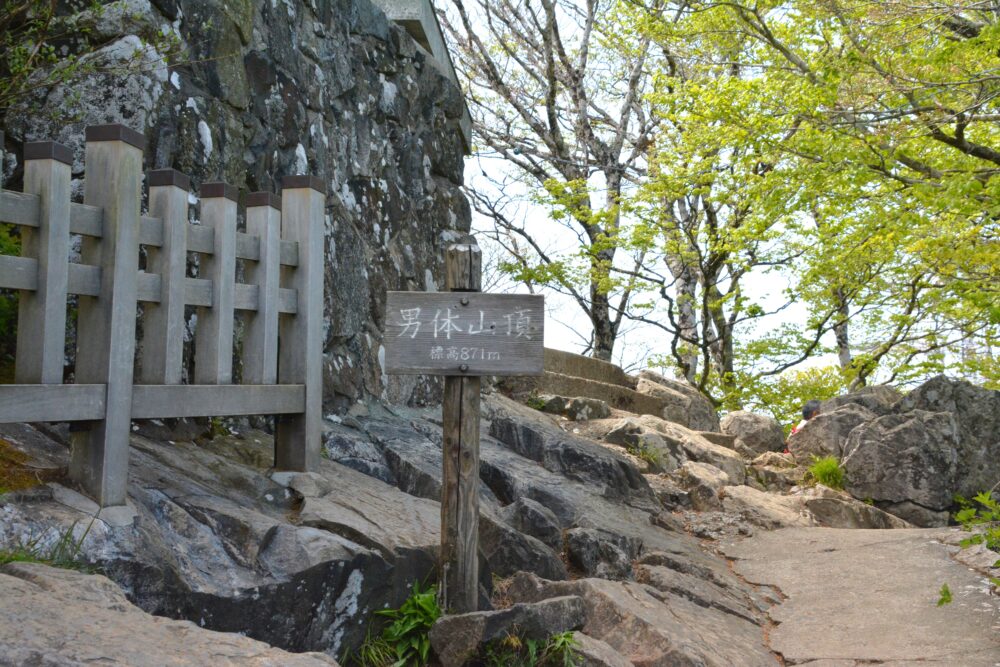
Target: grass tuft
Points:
(64, 553)
(827, 471)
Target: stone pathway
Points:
(861, 597)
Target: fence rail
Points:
(282, 252)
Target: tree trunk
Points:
(604, 334)
(840, 330)
(687, 320)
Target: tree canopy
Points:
(843, 152)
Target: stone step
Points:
(616, 396)
(575, 365)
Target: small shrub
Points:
(513, 651)
(827, 471)
(64, 553)
(405, 641)
(534, 402)
(981, 516)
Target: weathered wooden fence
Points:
(283, 245)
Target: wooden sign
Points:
(464, 333)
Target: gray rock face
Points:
(758, 432)
(213, 539)
(653, 626)
(905, 458)
(458, 637)
(574, 457)
(592, 652)
(703, 482)
(533, 518)
(977, 414)
(61, 617)
(880, 399)
(676, 444)
(687, 406)
(267, 89)
(578, 409)
(601, 553)
(826, 433)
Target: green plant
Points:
(514, 651)
(944, 596)
(63, 553)
(535, 402)
(827, 470)
(405, 641)
(981, 516)
(649, 455)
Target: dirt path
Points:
(861, 597)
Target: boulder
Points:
(851, 513)
(601, 553)
(50, 616)
(457, 638)
(977, 413)
(880, 399)
(702, 481)
(765, 510)
(652, 627)
(685, 404)
(583, 409)
(678, 443)
(534, 519)
(569, 455)
(507, 550)
(777, 478)
(826, 433)
(672, 496)
(774, 460)
(757, 432)
(904, 460)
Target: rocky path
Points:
(861, 597)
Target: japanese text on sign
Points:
(449, 333)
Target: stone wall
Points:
(265, 88)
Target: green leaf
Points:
(945, 596)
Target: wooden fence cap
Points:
(314, 182)
(47, 150)
(160, 177)
(116, 132)
(263, 199)
(210, 190)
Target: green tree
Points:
(557, 93)
(875, 126)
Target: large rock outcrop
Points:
(906, 463)
(263, 89)
(668, 621)
(297, 561)
(685, 404)
(50, 616)
(826, 433)
(977, 414)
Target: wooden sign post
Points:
(462, 334)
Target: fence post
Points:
(163, 330)
(260, 346)
(41, 319)
(460, 458)
(300, 361)
(213, 344)
(106, 325)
